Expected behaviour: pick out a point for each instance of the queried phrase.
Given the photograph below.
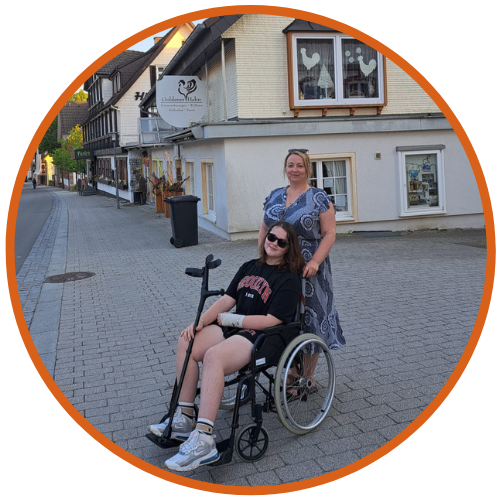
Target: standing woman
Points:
(312, 214)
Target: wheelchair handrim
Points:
(322, 412)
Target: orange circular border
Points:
(431, 408)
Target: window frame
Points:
(339, 102)
(156, 166)
(208, 213)
(352, 214)
(404, 209)
(189, 176)
(116, 83)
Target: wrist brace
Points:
(234, 320)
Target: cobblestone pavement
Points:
(407, 304)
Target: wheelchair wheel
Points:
(246, 448)
(304, 384)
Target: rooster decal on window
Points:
(366, 69)
(187, 88)
(309, 62)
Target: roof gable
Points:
(71, 114)
(300, 25)
(203, 42)
(132, 70)
(132, 63)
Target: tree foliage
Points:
(80, 96)
(62, 156)
(63, 161)
(74, 140)
(49, 141)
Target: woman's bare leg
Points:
(204, 339)
(220, 360)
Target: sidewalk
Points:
(407, 305)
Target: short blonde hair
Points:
(305, 159)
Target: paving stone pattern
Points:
(407, 305)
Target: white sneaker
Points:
(182, 426)
(198, 450)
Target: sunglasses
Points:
(273, 238)
(305, 151)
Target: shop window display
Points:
(423, 182)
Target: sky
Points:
(147, 43)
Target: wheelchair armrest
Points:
(283, 330)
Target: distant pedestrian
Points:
(34, 182)
(142, 189)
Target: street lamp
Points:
(114, 138)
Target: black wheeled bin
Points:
(184, 219)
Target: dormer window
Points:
(116, 83)
(333, 69)
(159, 71)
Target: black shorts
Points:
(268, 352)
(250, 335)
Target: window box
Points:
(331, 70)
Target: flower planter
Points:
(159, 204)
(169, 194)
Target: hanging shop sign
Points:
(81, 154)
(181, 100)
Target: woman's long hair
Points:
(293, 260)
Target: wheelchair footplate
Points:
(225, 453)
(163, 442)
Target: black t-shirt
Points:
(264, 290)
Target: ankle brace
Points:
(187, 409)
(204, 425)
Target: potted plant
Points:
(173, 189)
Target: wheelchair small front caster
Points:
(248, 448)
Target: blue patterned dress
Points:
(320, 317)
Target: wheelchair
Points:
(297, 383)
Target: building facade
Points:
(381, 148)
(114, 94)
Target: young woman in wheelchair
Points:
(266, 292)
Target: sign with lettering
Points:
(81, 154)
(181, 100)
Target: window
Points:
(159, 71)
(178, 170)
(122, 169)
(208, 188)
(157, 170)
(189, 166)
(329, 70)
(422, 180)
(116, 83)
(335, 174)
